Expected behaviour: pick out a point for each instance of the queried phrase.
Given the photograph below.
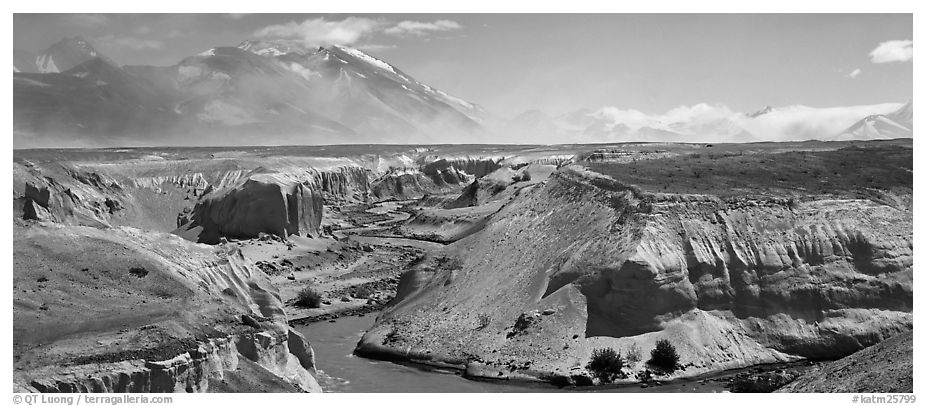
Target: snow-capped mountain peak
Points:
(270, 48)
(66, 54)
(897, 124)
(764, 110)
(360, 55)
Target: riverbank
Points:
(343, 369)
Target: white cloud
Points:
(892, 51)
(636, 119)
(134, 43)
(86, 20)
(374, 47)
(421, 28)
(854, 74)
(716, 123)
(320, 32)
(306, 73)
(803, 122)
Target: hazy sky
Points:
(558, 63)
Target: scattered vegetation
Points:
(664, 356)
(482, 321)
(362, 292)
(847, 172)
(606, 365)
(523, 322)
(138, 272)
(634, 355)
(308, 297)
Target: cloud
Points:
(419, 28)
(803, 122)
(854, 74)
(892, 51)
(374, 47)
(635, 119)
(715, 123)
(320, 32)
(133, 43)
(86, 20)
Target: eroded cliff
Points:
(127, 310)
(587, 262)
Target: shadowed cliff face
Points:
(261, 204)
(585, 262)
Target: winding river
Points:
(341, 371)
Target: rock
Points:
(548, 312)
(582, 380)
(250, 321)
(267, 206)
(34, 211)
(737, 291)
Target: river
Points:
(339, 370)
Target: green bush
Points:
(664, 356)
(308, 297)
(606, 364)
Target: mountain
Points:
(698, 124)
(716, 123)
(259, 92)
(24, 61)
(66, 54)
(898, 124)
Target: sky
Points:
(556, 63)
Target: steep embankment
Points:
(883, 367)
(126, 310)
(260, 204)
(586, 262)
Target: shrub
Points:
(606, 364)
(634, 355)
(308, 297)
(664, 356)
(362, 292)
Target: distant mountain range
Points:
(255, 93)
(709, 123)
(264, 92)
(898, 124)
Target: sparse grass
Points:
(606, 365)
(308, 297)
(846, 172)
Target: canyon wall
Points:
(584, 262)
(128, 310)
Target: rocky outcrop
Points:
(594, 263)
(886, 367)
(264, 203)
